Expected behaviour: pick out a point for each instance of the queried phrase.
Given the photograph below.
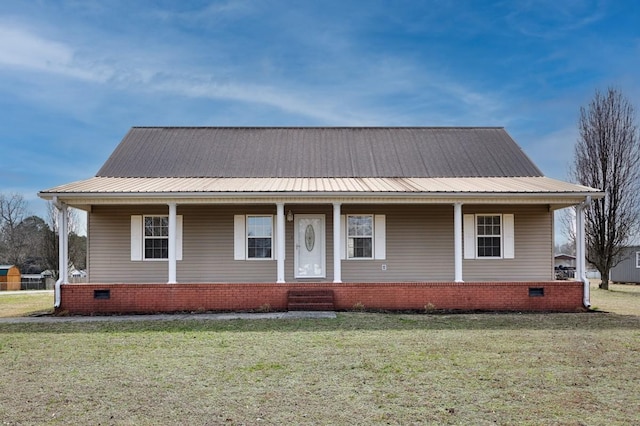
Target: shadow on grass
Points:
(348, 321)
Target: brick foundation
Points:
(559, 296)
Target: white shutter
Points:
(179, 237)
(274, 237)
(469, 236)
(136, 237)
(239, 237)
(508, 236)
(379, 233)
(343, 234)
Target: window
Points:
(360, 236)
(489, 235)
(156, 237)
(259, 237)
(150, 237)
(638, 259)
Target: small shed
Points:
(628, 270)
(9, 277)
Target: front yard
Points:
(360, 368)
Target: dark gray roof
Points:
(318, 152)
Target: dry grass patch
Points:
(622, 299)
(25, 303)
(360, 368)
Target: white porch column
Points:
(280, 249)
(63, 251)
(457, 242)
(173, 234)
(581, 252)
(579, 239)
(63, 244)
(337, 241)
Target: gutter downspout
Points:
(581, 251)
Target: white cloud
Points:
(22, 49)
(551, 18)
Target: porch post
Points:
(63, 244)
(172, 242)
(337, 239)
(581, 251)
(280, 249)
(457, 242)
(580, 242)
(579, 237)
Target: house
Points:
(9, 277)
(565, 266)
(564, 261)
(628, 270)
(188, 218)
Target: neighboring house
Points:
(9, 277)
(627, 271)
(565, 266)
(212, 218)
(564, 261)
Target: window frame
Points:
(247, 237)
(348, 237)
(638, 260)
(145, 238)
(478, 236)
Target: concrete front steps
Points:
(310, 300)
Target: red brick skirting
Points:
(562, 296)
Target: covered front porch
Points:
(410, 252)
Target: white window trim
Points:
(240, 237)
(479, 215)
(145, 238)
(273, 237)
(507, 236)
(138, 238)
(373, 237)
(378, 239)
(638, 260)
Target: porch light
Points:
(289, 216)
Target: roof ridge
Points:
(324, 127)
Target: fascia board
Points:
(324, 197)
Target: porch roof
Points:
(538, 189)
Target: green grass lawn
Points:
(361, 368)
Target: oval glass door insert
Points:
(309, 237)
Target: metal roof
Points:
(495, 185)
(318, 152)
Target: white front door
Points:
(309, 246)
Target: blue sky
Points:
(76, 75)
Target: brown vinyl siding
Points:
(533, 247)
(419, 241)
(110, 249)
(419, 246)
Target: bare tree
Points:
(77, 243)
(567, 220)
(13, 247)
(607, 156)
